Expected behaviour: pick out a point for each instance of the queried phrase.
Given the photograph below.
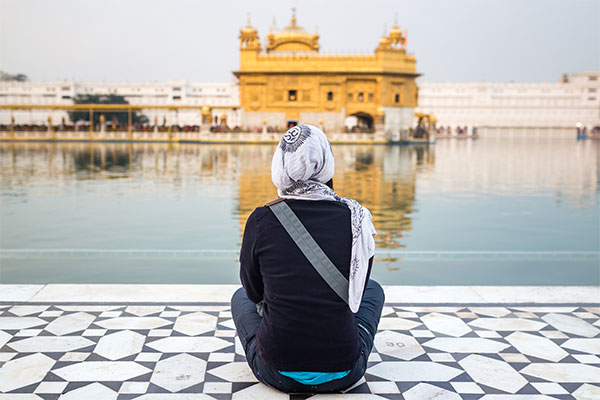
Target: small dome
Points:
(396, 32)
(384, 41)
(248, 29)
(293, 31)
(249, 37)
(293, 38)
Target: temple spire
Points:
(274, 25)
(294, 16)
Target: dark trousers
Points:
(247, 321)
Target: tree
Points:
(120, 117)
(5, 76)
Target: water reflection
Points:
(383, 178)
(96, 159)
(562, 168)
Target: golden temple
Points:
(290, 81)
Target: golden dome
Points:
(396, 40)
(293, 38)
(293, 30)
(249, 37)
(396, 33)
(248, 29)
(384, 42)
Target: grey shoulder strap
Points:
(310, 248)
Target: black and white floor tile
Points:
(171, 351)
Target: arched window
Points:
(397, 98)
(329, 96)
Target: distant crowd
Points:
(84, 127)
(118, 127)
(111, 127)
(458, 130)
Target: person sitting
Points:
(302, 330)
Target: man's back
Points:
(305, 326)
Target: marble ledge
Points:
(17, 293)
(161, 293)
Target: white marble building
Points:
(494, 106)
(488, 106)
(223, 98)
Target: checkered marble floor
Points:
(190, 351)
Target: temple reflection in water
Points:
(389, 180)
(382, 179)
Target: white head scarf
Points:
(302, 164)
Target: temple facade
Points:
(290, 81)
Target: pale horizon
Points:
(159, 41)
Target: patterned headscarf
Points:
(302, 164)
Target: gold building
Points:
(291, 82)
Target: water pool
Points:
(504, 210)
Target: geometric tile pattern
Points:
(190, 351)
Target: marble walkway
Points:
(178, 342)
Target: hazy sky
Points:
(158, 40)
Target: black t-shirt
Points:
(305, 325)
